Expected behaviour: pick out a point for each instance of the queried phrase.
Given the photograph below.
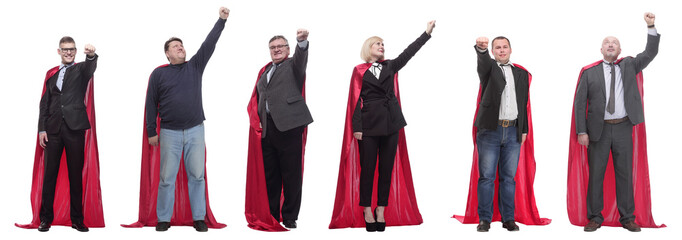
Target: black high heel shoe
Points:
(370, 227)
(380, 226)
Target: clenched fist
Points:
(301, 34)
(224, 12)
(89, 50)
(482, 42)
(649, 18)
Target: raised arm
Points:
(484, 60)
(653, 38)
(90, 61)
(300, 57)
(205, 52)
(407, 54)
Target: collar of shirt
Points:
(65, 65)
(504, 64)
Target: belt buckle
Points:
(505, 123)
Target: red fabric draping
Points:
(402, 206)
(149, 189)
(525, 210)
(92, 193)
(257, 208)
(578, 175)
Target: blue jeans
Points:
(173, 144)
(497, 148)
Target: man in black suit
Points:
(62, 124)
(502, 127)
(607, 105)
(284, 116)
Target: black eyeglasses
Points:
(68, 49)
(278, 46)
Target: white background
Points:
(553, 39)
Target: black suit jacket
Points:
(492, 84)
(592, 90)
(67, 104)
(380, 114)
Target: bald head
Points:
(610, 48)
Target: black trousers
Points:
(282, 160)
(617, 139)
(385, 148)
(74, 144)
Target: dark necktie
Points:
(611, 106)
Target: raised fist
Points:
(482, 42)
(301, 34)
(224, 12)
(649, 18)
(89, 50)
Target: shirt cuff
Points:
(652, 31)
(41, 132)
(303, 44)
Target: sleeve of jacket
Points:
(357, 117)
(644, 58)
(484, 63)
(44, 109)
(580, 104)
(300, 63)
(409, 52)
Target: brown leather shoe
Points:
(632, 226)
(592, 226)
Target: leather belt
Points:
(506, 123)
(616, 121)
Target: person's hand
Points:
(482, 43)
(302, 34)
(154, 141)
(523, 138)
(649, 18)
(43, 139)
(89, 50)
(224, 12)
(584, 140)
(357, 135)
(260, 125)
(429, 27)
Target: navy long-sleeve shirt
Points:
(174, 91)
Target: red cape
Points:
(525, 210)
(257, 209)
(92, 194)
(149, 189)
(578, 175)
(402, 206)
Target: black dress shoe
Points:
(288, 223)
(80, 227)
(510, 226)
(632, 226)
(44, 227)
(370, 227)
(200, 226)
(483, 226)
(592, 226)
(381, 226)
(162, 226)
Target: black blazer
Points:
(380, 114)
(67, 104)
(492, 85)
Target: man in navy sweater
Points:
(174, 95)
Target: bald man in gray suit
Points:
(605, 124)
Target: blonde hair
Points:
(366, 51)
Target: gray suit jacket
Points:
(592, 91)
(284, 93)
